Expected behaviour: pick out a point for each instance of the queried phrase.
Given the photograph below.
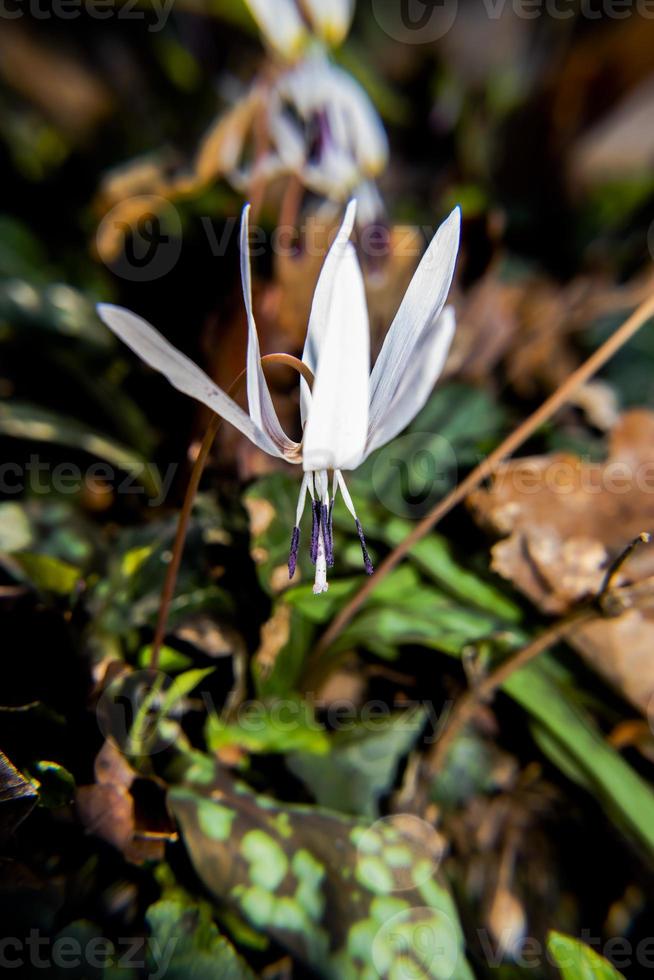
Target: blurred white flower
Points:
(323, 128)
(350, 411)
(285, 24)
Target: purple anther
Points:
(364, 550)
(292, 555)
(315, 530)
(325, 517)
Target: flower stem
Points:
(180, 537)
(172, 571)
(315, 671)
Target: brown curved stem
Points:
(172, 571)
(465, 708)
(584, 373)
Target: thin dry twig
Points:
(464, 709)
(315, 670)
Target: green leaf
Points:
(47, 573)
(622, 793)
(193, 943)
(427, 618)
(278, 726)
(15, 528)
(182, 686)
(170, 661)
(24, 421)
(361, 764)
(577, 961)
(55, 784)
(342, 896)
(433, 555)
(457, 426)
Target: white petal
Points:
(330, 19)
(180, 370)
(260, 404)
(370, 206)
(321, 304)
(336, 431)
(422, 373)
(280, 22)
(355, 122)
(421, 306)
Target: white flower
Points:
(351, 411)
(330, 19)
(322, 127)
(282, 24)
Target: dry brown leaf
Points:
(274, 637)
(563, 521)
(17, 797)
(109, 808)
(619, 145)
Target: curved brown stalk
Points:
(466, 706)
(314, 671)
(189, 497)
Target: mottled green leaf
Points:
(577, 961)
(343, 896)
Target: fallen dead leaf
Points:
(563, 521)
(17, 797)
(274, 637)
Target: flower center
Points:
(316, 484)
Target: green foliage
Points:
(288, 725)
(361, 761)
(192, 944)
(577, 961)
(577, 746)
(335, 892)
